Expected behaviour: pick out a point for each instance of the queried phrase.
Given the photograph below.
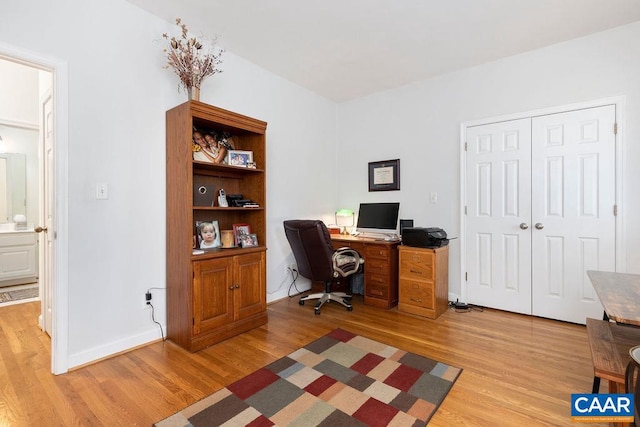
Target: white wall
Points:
(420, 124)
(118, 95)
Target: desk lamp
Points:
(344, 219)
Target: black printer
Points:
(421, 237)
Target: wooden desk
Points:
(619, 294)
(380, 268)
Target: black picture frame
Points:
(384, 175)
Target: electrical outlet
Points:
(147, 299)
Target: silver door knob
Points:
(539, 226)
(524, 225)
(40, 229)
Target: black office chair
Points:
(318, 261)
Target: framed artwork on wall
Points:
(384, 175)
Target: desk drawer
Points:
(417, 293)
(376, 251)
(358, 246)
(418, 266)
(377, 290)
(410, 270)
(377, 266)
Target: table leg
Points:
(596, 380)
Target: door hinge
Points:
(466, 276)
(193, 321)
(465, 146)
(615, 210)
(615, 128)
(465, 210)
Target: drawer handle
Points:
(416, 271)
(374, 292)
(416, 300)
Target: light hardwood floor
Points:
(518, 370)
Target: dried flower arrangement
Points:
(190, 60)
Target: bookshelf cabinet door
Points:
(250, 297)
(212, 294)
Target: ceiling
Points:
(345, 49)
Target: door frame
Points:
(59, 281)
(621, 241)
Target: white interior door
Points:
(498, 240)
(540, 212)
(47, 215)
(573, 200)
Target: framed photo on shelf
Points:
(208, 234)
(384, 175)
(240, 230)
(240, 158)
(248, 240)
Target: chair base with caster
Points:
(322, 297)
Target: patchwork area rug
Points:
(18, 294)
(341, 379)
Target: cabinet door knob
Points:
(524, 225)
(40, 229)
(237, 286)
(231, 287)
(539, 226)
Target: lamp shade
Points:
(344, 219)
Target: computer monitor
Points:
(378, 218)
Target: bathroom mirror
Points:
(13, 186)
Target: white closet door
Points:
(573, 197)
(498, 238)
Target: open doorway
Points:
(36, 86)
(20, 142)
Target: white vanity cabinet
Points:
(18, 251)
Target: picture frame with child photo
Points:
(208, 234)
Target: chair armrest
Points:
(346, 261)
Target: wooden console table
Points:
(619, 294)
(610, 342)
(380, 268)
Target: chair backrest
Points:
(311, 246)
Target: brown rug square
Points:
(341, 379)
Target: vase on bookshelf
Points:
(193, 93)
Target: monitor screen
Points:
(378, 217)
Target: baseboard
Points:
(95, 354)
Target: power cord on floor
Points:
(461, 307)
(153, 318)
(294, 276)
(155, 321)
